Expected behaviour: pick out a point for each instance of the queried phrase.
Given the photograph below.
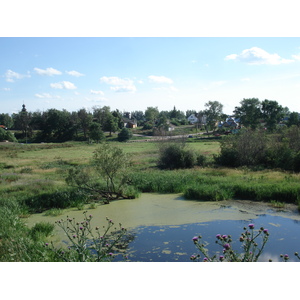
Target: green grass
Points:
(32, 178)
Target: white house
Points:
(192, 119)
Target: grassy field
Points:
(32, 179)
(39, 168)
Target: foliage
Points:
(213, 113)
(41, 230)
(176, 155)
(96, 133)
(7, 136)
(243, 149)
(251, 249)
(272, 113)
(249, 112)
(124, 135)
(106, 176)
(255, 148)
(88, 244)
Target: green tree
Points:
(85, 120)
(7, 136)
(213, 113)
(111, 124)
(95, 132)
(151, 114)
(124, 135)
(6, 120)
(293, 119)
(272, 113)
(57, 126)
(249, 112)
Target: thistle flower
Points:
(251, 226)
(195, 239)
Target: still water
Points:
(162, 226)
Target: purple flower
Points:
(218, 236)
(46, 244)
(226, 246)
(195, 239)
(205, 259)
(221, 257)
(266, 231)
(251, 226)
(110, 254)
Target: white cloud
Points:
(116, 80)
(63, 85)
(124, 89)
(47, 72)
(160, 79)
(11, 76)
(258, 56)
(96, 92)
(296, 57)
(46, 96)
(119, 85)
(6, 89)
(74, 73)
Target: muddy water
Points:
(163, 225)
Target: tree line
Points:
(56, 125)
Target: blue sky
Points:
(137, 72)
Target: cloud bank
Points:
(258, 56)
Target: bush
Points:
(124, 135)
(176, 156)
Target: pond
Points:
(162, 225)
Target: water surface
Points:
(163, 225)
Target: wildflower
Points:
(224, 236)
(110, 254)
(226, 246)
(221, 258)
(193, 257)
(218, 236)
(81, 228)
(46, 244)
(251, 226)
(205, 259)
(241, 239)
(195, 239)
(266, 231)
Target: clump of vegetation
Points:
(256, 148)
(106, 177)
(176, 155)
(251, 249)
(88, 244)
(124, 135)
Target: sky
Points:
(133, 73)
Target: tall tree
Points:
(85, 120)
(294, 119)
(151, 114)
(213, 112)
(272, 113)
(249, 112)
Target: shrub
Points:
(124, 135)
(41, 230)
(176, 156)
